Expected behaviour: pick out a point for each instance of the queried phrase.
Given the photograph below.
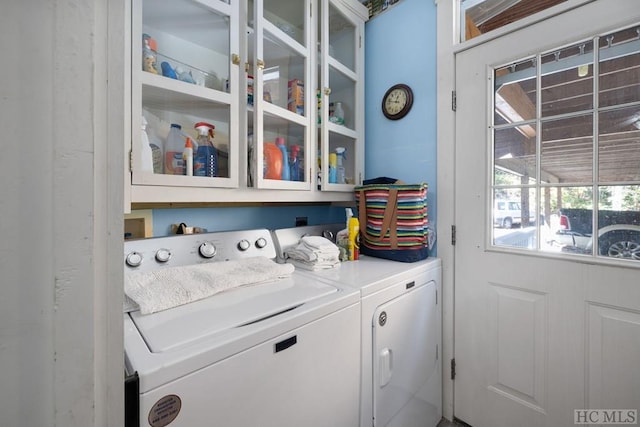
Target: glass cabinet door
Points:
(278, 87)
(185, 84)
(341, 97)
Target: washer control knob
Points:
(163, 255)
(207, 250)
(134, 259)
(244, 244)
(261, 243)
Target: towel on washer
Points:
(314, 253)
(170, 287)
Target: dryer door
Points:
(406, 390)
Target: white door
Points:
(537, 334)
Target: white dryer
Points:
(401, 366)
(284, 353)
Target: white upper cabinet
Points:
(341, 85)
(243, 80)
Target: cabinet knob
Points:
(235, 58)
(327, 91)
(260, 64)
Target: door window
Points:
(566, 144)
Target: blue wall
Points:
(236, 218)
(400, 48)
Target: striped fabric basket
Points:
(393, 221)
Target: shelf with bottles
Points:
(184, 40)
(167, 132)
(341, 152)
(281, 162)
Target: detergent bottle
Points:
(173, 163)
(285, 158)
(354, 238)
(342, 238)
(205, 162)
(333, 162)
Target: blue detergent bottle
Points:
(286, 173)
(205, 162)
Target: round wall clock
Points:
(397, 101)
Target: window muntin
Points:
(565, 144)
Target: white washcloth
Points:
(166, 288)
(314, 253)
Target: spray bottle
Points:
(206, 158)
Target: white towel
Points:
(314, 253)
(170, 287)
(313, 266)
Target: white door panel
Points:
(536, 337)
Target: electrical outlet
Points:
(301, 221)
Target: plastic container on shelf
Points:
(206, 159)
(157, 150)
(272, 157)
(338, 114)
(340, 179)
(173, 161)
(294, 163)
(149, 54)
(187, 155)
(145, 148)
(285, 158)
(333, 162)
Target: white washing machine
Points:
(401, 366)
(284, 353)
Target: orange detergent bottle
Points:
(272, 167)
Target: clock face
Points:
(397, 102)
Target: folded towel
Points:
(170, 287)
(314, 249)
(313, 266)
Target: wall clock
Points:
(397, 101)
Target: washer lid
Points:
(226, 311)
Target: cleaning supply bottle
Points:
(342, 238)
(338, 114)
(173, 162)
(285, 158)
(157, 148)
(187, 156)
(333, 162)
(145, 150)
(206, 160)
(354, 238)
(340, 179)
(272, 161)
(294, 174)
